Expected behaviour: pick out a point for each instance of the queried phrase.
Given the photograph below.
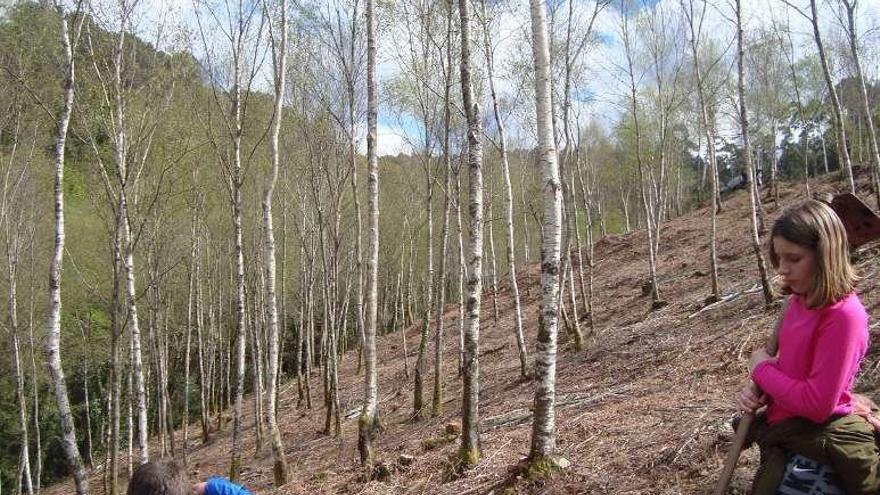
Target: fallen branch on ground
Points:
(522, 415)
(727, 298)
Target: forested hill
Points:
(207, 228)
(643, 407)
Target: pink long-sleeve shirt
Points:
(819, 355)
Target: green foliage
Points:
(171, 105)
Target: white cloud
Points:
(391, 141)
(606, 82)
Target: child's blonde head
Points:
(814, 225)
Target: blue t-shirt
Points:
(222, 486)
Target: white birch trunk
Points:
(646, 195)
(839, 124)
(189, 325)
(744, 125)
(206, 384)
(850, 7)
(709, 131)
(279, 65)
(35, 393)
(437, 398)
(241, 330)
(368, 423)
(470, 437)
(25, 462)
(13, 224)
(493, 267)
(53, 344)
(462, 271)
(543, 445)
(508, 201)
(134, 330)
(421, 365)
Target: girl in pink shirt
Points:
(823, 334)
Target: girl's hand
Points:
(758, 357)
(750, 398)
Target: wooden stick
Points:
(745, 422)
(733, 454)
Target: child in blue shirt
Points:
(219, 486)
(169, 478)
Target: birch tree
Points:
(470, 427)
(437, 399)
(415, 89)
(574, 45)
(695, 19)
(645, 195)
(836, 107)
(508, 195)
(17, 233)
(277, 29)
(69, 40)
(121, 183)
(543, 445)
(368, 422)
(851, 7)
(238, 32)
(750, 171)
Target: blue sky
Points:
(599, 98)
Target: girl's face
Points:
(797, 265)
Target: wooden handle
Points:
(745, 423)
(742, 431)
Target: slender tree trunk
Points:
(35, 393)
(205, 381)
(254, 327)
(279, 64)
(13, 224)
(508, 201)
(839, 124)
(462, 271)
(709, 131)
(368, 423)
(408, 305)
(241, 330)
(53, 345)
(401, 301)
(134, 330)
(578, 247)
(236, 181)
(588, 301)
(543, 445)
(85, 331)
(774, 167)
(121, 149)
(115, 366)
(421, 365)
(352, 123)
(493, 270)
(310, 335)
(301, 328)
(12, 319)
(656, 301)
(470, 427)
(850, 7)
(437, 398)
(744, 124)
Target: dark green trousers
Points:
(846, 443)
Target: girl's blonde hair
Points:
(814, 225)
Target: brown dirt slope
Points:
(644, 408)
